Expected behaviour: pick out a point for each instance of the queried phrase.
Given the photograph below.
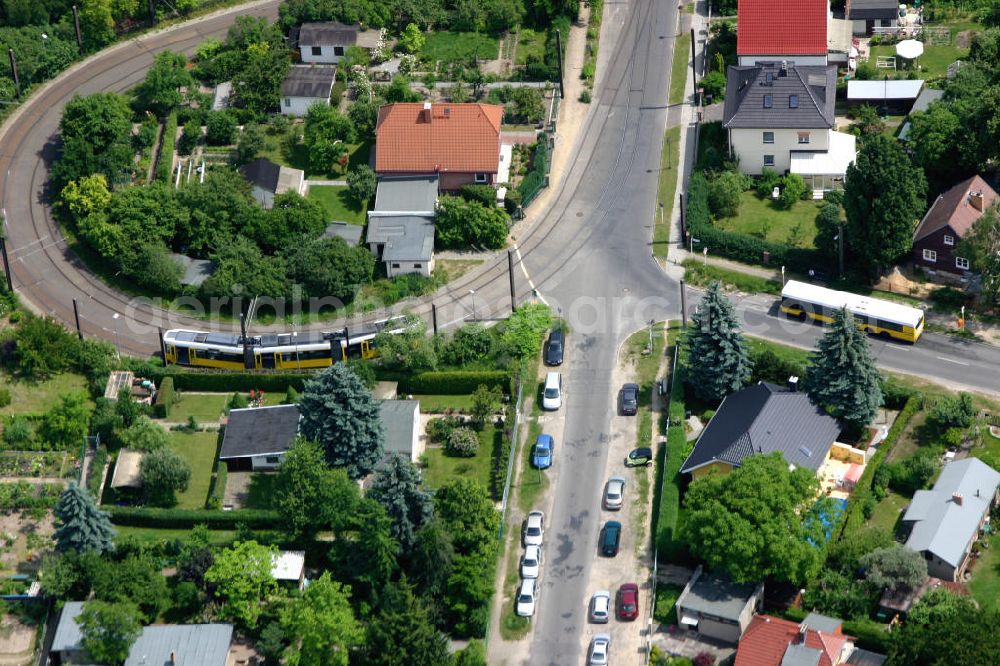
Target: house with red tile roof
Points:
(775, 30)
(460, 143)
(947, 221)
(816, 641)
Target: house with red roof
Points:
(947, 221)
(816, 641)
(460, 143)
(776, 30)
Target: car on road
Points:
(627, 602)
(639, 457)
(600, 607)
(614, 493)
(526, 597)
(554, 349)
(531, 562)
(629, 399)
(541, 457)
(611, 536)
(534, 528)
(600, 646)
(552, 393)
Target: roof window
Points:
(793, 101)
(768, 101)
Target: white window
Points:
(317, 50)
(769, 160)
(962, 263)
(338, 50)
(949, 240)
(480, 177)
(288, 101)
(803, 137)
(768, 137)
(930, 255)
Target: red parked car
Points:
(627, 602)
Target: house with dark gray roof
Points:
(257, 438)
(869, 15)
(780, 116)
(304, 86)
(945, 521)
(406, 195)
(327, 41)
(401, 427)
(405, 244)
(167, 644)
(268, 179)
(762, 419)
(718, 608)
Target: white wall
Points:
(327, 54)
(749, 60)
(417, 448)
(259, 463)
(299, 106)
(749, 146)
(394, 268)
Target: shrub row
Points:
(741, 247)
(534, 180)
(501, 455)
(165, 160)
(95, 473)
(187, 518)
(669, 547)
(217, 382)
(853, 519)
(453, 382)
(870, 634)
(164, 398)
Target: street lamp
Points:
(118, 345)
(472, 292)
(45, 40)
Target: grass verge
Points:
(198, 449)
(699, 275)
(665, 191)
(679, 69)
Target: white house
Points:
(268, 179)
(289, 566)
(405, 244)
(780, 116)
(401, 424)
(257, 438)
(327, 42)
(304, 86)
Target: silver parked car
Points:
(614, 493)
(600, 607)
(600, 646)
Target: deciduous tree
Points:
(80, 525)
(467, 513)
(894, 567)
(309, 495)
(321, 626)
(981, 247)
(108, 630)
(842, 376)
(402, 633)
(164, 474)
(397, 488)
(96, 138)
(243, 581)
(339, 413)
(944, 628)
(160, 91)
(361, 183)
(718, 361)
(329, 267)
(463, 224)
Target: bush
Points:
(164, 398)
(18, 433)
(221, 128)
(165, 162)
(484, 194)
(188, 518)
(4, 397)
(714, 84)
(724, 193)
(949, 298)
(190, 137)
(455, 382)
(463, 443)
(766, 182)
(585, 96)
(793, 189)
(238, 401)
(512, 201)
(440, 429)
(769, 367)
(951, 412)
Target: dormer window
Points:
(949, 240)
(769, 77)
(793, 101)
(768, 101)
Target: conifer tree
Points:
(842, 376)
(718, 362)
(80, 525)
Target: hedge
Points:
(853, 519)
(453, 382)
(187, 518)
(534, 180)
(870, 634)
(164, 398)
(668, 510)
(501, 458)
(217, 382)
(218, 489)
(165, 160)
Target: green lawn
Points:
(887, 512)
(439, 404)
(679, 69)
(700, 275)
(933, 63)
(530, 43)
(665, 610)
(532, 483)
(990, 453)
(152, 534)
(669, 163)
(261, 491)
(205, 408)
(441, 468)
(198, 449)
(35, 397)
(338, 204)
(278, 150)
(452, 47)
(985, 583)
(764, 218)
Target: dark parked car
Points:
(554, 350)
(627, 601)
(611, 537)
(630, 399)
(639, 457)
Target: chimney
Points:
(173, 657)
(977, 201)
(803, 628)
(427, 112)
(793, 383)
(957, 498)
(784, 68)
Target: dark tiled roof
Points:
(781, 27)
(328, 33)
(762, 419)
(309, 81)
(263, 173)
(258, 431)
(953, 208)
(746, 88)
(872, 9)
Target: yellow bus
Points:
(885, 319)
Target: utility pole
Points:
(510, 273)
(152, 12)
(840, 249)
(694, 72)
(13, 72)
(76, 22)
(683, 221)
(163, 347)
(434, 318)
(76, 316)
(6, 262)
(562, 91)
(684, 319)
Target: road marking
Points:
(951, 360)
(527, 277)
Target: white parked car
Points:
(600, 607)
(534, 528)
(600, 645)
(552, 393)
(526, 598)
(531, 563)
(614, 493)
